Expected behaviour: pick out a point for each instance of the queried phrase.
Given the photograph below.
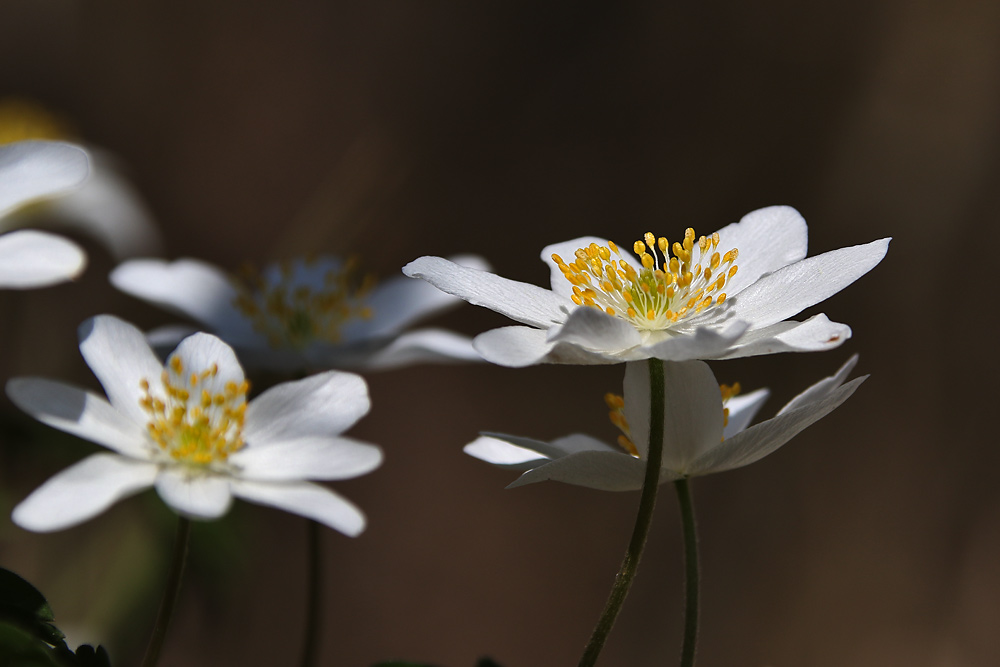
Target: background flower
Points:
(186, 429)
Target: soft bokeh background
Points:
(394, 129)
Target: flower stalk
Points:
(314, 586)
(171, 593)
(644, 517)
(691, 576)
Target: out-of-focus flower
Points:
(609, 306)
(704, 431)
(187, 429)
(31, 171)
(301, 314)
(107, 207)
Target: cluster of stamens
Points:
(666, 290)
(293, 312)
(728, 391)
(616, 407)
(196, 422)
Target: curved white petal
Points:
(79, 412)
(767, 239)
(788, 291)
(83, 491)
(822, 388)
(399, 302)
(200, 352)
(190, 287)
(121, 359)
(605, 471)
(742, 410)
(595, 330)
(307, 458)
(567, 252)
(325, 404)
(195, 495)
(525, 303)
(501, 450)
(31, 170)
(518, 347)
(702, 343)
(420, 346)
(816, 334)
(305, 499)
(36, 259)
(761, 439)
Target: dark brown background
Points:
(395, 129)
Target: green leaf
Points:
(19, 648)
(23, 605)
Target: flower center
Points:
(298, 302)
(199, 421)
(666, 290)
(22, 119)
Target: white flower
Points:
(31, 171)
(301, 314)
(700, 435)
(608, 306)
(186, 429)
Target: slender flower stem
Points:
(314, 584)
(171, 593)
(643, 519)
(691, 581)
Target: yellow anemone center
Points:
(22, 119)
(666, 290)
(198, 420)
(300, 302)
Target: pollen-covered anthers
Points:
(199, 419)
(664, 291)
(728, 391)
(616, 406)
(298, 302)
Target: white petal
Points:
(702, 343)
(79, 412)
(501, 450)
(767, 239)
(305, 499)
(195, 495)
(118, 354)
(595, 330)
(567, 252)
(412, 347)
(742, 410)
(558, 448)
(523, 346)
(32, 170)
(307, 458)
(190, 287)
(83, 491)
(823, 388)
(200, 352)
(528, 304)
(325, 404)
(606, 471)
(36, 259)
(816, 334)
(782, 294)
(761, 439)
(635, 391)
(400, 302)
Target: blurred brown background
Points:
(396, 129)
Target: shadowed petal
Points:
(595, 330)
(197, 496)
(816, 334)
(742, 410)
(83, 491)
(606, 471)
(31, 170)
(325, 404)
(305, 499)
(36, 259)
(307, 458)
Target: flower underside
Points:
(292, 310)
(665, 291)
(616, 408)
(199, 420)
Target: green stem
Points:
(310, 642)
(170, 595)
(643, 519)
(691, 582)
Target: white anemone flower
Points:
(187, 429)
(31, 171)
(705, 431)
(306, 313)
(610, 306)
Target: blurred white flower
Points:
(301, 314)
(31, 171)
(187, 429)
(704, 431)
(106, 207)
(608, 306)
